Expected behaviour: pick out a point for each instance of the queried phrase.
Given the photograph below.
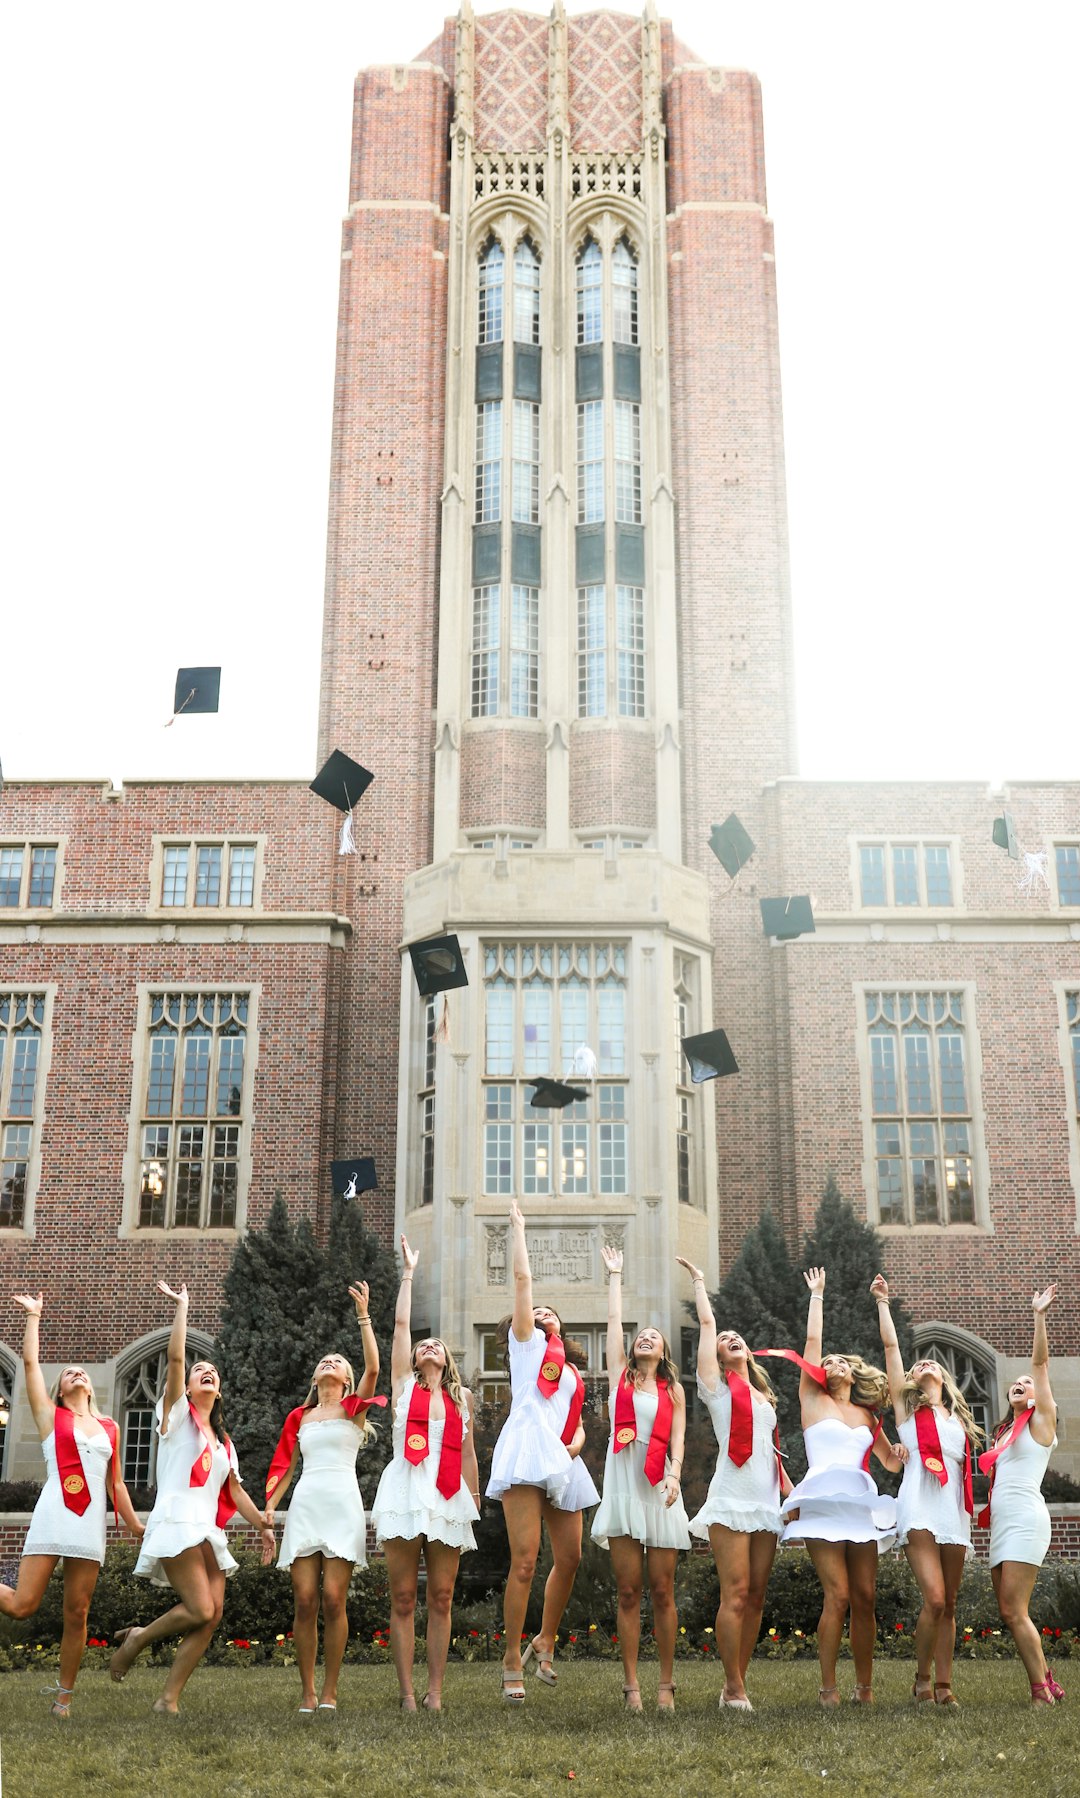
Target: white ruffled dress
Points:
(326, 1511)
(184, 1515)
(408, 1503)
(1019, 1519)
(54, 1530)
(631, 1505)
(836, 1500)
(923, 1502)
(747, 1497)
(529, 1450)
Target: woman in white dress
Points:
(428, 1497)
(537, 1472)
(933, 1511)
(325, 1533)
(198, 1490)
(641, 1518)
(836, 1509)
(741, 1514)
(1019, 1520)
(72, 1512)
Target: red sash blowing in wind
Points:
(352, 1405)
(989, 1459)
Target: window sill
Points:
(976, 1229)
(179, 1233)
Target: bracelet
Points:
(362, 1320)
(819, 1296)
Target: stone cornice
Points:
(149, 927)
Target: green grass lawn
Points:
(239, 1737)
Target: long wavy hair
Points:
(1005, 1424)
(869, 1385)
(756, 1375)
(364, 1423)
(575, 1351)
(55, 1392)
(952, 1398)
(217, 1414)
(450, 1379)
(665, 1369)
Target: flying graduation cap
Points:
(438, 965)
(197, 690)
(731, 844)
(352, 1177)
(554, 1095)
(1005, 835)
(786, 919)
(709, 1055)
(341, 782)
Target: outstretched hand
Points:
(879, 1289)
(612, 1258)
(31, 1306)
(181, 1297)
(815, 1279)
(694, 1272)
(409, 1256)
(359, 1295)
(517, 1216)
(1043, 1300)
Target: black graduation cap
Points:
(731, 844)
(341, 781)
(1005, 835)
(787, 918)
(709, 1056)
(351, 1178)
(197, 690)
(438, 965)
(554, 1095)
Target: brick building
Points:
(557, 627)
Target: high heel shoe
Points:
(629, 1693)
(1056, 1691)
(828, 1697)
(512, 1678)
(738, 1704)
(924, 1697)
(544, 1669)
(945, 1696)
(666, 1685)
(863, 1695)
(1041, 1693)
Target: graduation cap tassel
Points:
(179, 709)
(442, 1028)
(346, 841)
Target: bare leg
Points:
(628, 1566)
(762, 1556)
(199, 1606)
(442, 1565)
(830, 1565)
(952, 1566)
(925, 1560)
(204, 1592)
(80, 1578)
(25, 1596)
(662, 1562)
(564, 1529)
(522, 1508)
(335, 1590)
(862, 1560)
(403, 1567)
(1014, 1582)
(306, 1573)
(731, 1552)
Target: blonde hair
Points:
(54, 1393)
(665, 1369)
(757, 1377)
(952, 1398)
(450, 1378)
(869, 1386)
(364, 1424)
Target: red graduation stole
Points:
(816, 1373)
(204, 1461)
(418, 1447)
(741, 1433)
(551, 1367)
(874, 1434)
(989, 1459)
(283, 1453)
(69, 1462)
(626, 1426)
(573, 1416)
(926, 1429)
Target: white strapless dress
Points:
(836, 1500)
(326, 1511)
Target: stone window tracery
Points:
(193, 1110)
(922, 1115)
(22, 1032)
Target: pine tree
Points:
(852, 1252)
(286, 1305)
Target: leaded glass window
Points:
(492, 273)
(193, 1100)
(208, 874)
(27, 875)
(974, 1376)
(905, 874)
(526, 294)
(590, 294)
(1067, 865)
(921, 1107)
(22, 1026)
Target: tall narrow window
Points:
(489, 462)
(590, 449)
(624, 294)
(526, 469)
(427, 1107)
(921, 1107)
(524, 652)
(684, 1091)
(592, 652)
(22, 1023)
(627, 462)
(192, 1108)
(590, 294)
(487, 617)
(526, 294)
(630, 624)
(492, 271)
(1067, 867)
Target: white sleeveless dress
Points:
(326, 1512)
(54, 1530)
(1019, 1519)
(924, 1503)
(184, 1515)
(631, 1505)
(408, 1503)
(529, 1450)
(837, 1501)
(747, 1497)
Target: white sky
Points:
(173, 184)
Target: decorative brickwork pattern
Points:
(511, 103)
(605, 81)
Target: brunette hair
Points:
(952, 1398)
(665, 1369)
(575, 1351)
(217, 1414)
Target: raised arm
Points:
(894, 1361)
(36, 1391)
(176, 1377)
(616, 1349)
(522, 1323)
(707, 1365)
(401, 1351)
(1045, 1418)
(815, 1323)
(673, 1477)
(470, 1468)
(369, 1379)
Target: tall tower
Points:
(557, 366)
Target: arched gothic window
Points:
(140, 1385)
(974, 1375)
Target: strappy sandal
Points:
(629, 1693)
(511, 1678)
(61, 1699)
(863, 1695)
(1056, 1692)
(828, 1697)
(924, 1697)
(945, 1696)
(738, 1704)
(545, 1667)
(435, 1707)
(666, 1710)
(1041, 1693)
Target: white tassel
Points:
(442, 1029)
(1034, 872)
(347, 842)
(584, 1064)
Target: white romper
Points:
(631, 1505)
(54, 1530)
(184, 1515)
(923, 1502)
(836, 1499)
(1019, 1519)
(326, 1512)
(408, 1503)
(529, 1450)
(747, 1497)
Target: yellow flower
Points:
(772, 1632)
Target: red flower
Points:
(899, 1629)
(474, 1635)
